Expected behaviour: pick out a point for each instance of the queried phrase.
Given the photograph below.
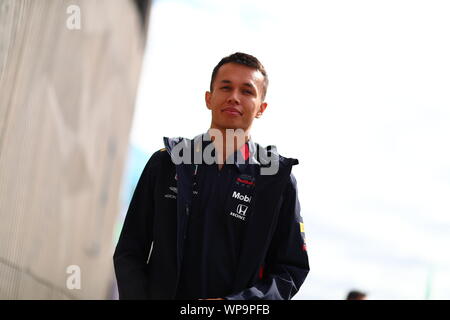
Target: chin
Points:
(227, 124)
(233, 126)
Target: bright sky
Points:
(359, 93)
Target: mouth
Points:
(232, 111)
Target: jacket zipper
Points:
(185, 226)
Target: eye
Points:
(248, 92)
(225, 87)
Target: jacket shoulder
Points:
(158, 159)
(270, 153)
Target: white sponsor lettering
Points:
(173, 189)
(242, 197)
(237, 216)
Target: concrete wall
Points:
(66, 105)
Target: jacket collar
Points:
(250, 153)
(241, 158)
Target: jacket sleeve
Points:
(286, 265)
(132, 250)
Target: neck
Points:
(225, 143)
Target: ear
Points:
(262, 107)
(208, 100)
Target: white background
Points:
(359, 93)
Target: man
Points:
(229, 228)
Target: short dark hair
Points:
(246, 60)
(356, 295)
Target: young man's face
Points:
(236, 98)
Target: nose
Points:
(233, 97)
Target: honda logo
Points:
(241, 209)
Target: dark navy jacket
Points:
(273, 261)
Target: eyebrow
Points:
(248, 84)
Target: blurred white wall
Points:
(67, 93)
